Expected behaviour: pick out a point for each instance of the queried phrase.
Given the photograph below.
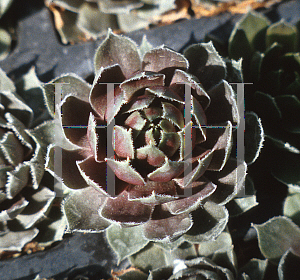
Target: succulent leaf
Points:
(213, 222)
(110, 53)
(288, 266)
(71, 83)
(280, 231)
(255, 269)
(292, 206)
(84, 217)
(126, 241)
(284, 34)
(15, 241)
(248, 29)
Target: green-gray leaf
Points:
(276, 236)
(68, 84)
(30, 89)
(126, 241)
(119, 50)
(213, 220)
(15, 241)
(255, 269)
(291, 207)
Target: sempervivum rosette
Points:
(166, 184)
(25, 198)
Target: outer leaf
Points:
(269, 117)
(252, 24)
(163, 272)
(227, 260)
(13, 211)
(213, 220)
(37, 209)
(69, 170)
(164, 227)
(241, 204)
(206, 64)
(17, 180)
(149, 258)
(19, 130)
(276, 236)
(71, 83)
(126, 241)
(116, 49)
(37, 166)
(239, 45)
(255, 269)
(15, 241)
(223, 98)
(12, 149)
(283, 33)
(14, 105)
(47, 133)
(183, 252)
(51, 230)
(291, 207)
(222, 243)
(6, 83)
(81, 210)
(230, 180)
(288, 267)
(30, 89)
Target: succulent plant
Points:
(84, 19)
(25, 198)
(271, 62)
(132, 166)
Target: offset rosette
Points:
(26, 200)
(162, 124)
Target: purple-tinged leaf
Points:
(121, 210)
